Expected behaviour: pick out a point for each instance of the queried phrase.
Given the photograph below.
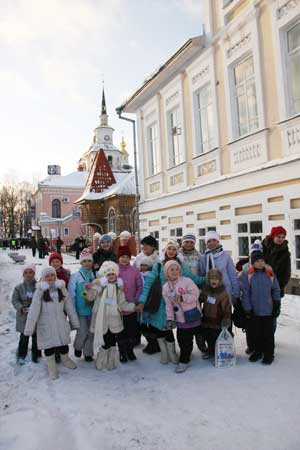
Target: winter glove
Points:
(169, 324)
(103, 282)
(276, 309)
(248, 314)
(120, 283)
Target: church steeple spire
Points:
(104, 116)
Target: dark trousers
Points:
(185, 338)
(249, 337)
(41, 254)
(211, 335)
(130, 327)
(77, 254)
(33, 252)
(262, 335)
(63, 350)
(167, 334)
(111, 339)
(23, 345)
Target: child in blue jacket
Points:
(261, 302)
(79, 282)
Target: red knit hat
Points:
(124, 250)
(275, 231)
(55, 256)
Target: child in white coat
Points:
(50, 306)
(107, 324)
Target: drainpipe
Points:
(119, 112)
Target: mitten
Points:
(103, 282)
(120, 283)
(276, 309)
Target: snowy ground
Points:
(146, 406)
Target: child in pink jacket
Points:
(182, 307)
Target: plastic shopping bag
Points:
(225, 355)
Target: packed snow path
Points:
(143, 405)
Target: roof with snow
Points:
(125, 185)
(75, 180)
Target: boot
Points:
(171, 351)
(163, 351)
(34, 357)
(181, 367)
(123, 352)
(255, 357)
(152, 347)
(111, 360)
(88, 359)
(101, 360)
(201, 344)
(52, 367)
(57, 358)
(268, 359)
(67, 361)
(78, 353)
(129, 347)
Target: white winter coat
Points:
(53, 329)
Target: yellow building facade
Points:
(219, 130)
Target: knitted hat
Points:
(211, 235)
(257, 254)
(171, 263)
(256, 246)
(146, 260)
(28, 266)
(171, 243)
(112, 235)
(275, 231)
(86, 255)
(55, 256)
(149, 240)
(189, 237)
(215, 273)
(106, 238)
(108, 267)
(124, 250)
(47, 271)
(125, 234)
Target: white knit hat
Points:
(29, 266)
(212, 235)
(112, 235)
(86, 255)
(47, 271)
(171, 243)
(125, 234)
(108, 267)
(147, 261)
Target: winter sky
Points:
(54, 54)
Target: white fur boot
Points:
(101, 361)
(111, 359)
(172, 355)
(68, 362)
(52, 367)
(163, 351)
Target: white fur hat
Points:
(29, 266)
(125, 234)
(212, 235)
(86, 255)
(171, 243)
(112, 235)
(47, 271)
(147, 261)
(108, 267)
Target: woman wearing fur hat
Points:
(107, 292)
(277, 255)
(182, 307)
(216, 258)
(21, 300)
(104, 253)
(79, 282)
(133, 287)
(216, 310)
(157, 321)
(50, 306)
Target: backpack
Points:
(154, 296)
(238, 315)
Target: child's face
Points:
(144, 268)
(279, 240)
(188, 245)
(50, 278)
(28, 275)
(105, 245)
(124, 260)
(148, 249)
(174, 273)
(171, 252)
(212, 244)
(87, 264)
(111, 277)
(56, 263)
(214, 282)
(259, 264)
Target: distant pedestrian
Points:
(59, 243)
(33, 245)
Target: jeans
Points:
(23, 345)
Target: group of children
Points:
(106, 307)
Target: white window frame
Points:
(201, 145)
(175, 233)
(248, 234)
(110, 211)
(294, 233)
(175, 137)
(288, 56)
(153, 149)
